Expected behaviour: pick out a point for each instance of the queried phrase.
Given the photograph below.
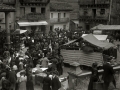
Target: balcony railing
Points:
(59, 20)
(9, 1)
(33, 17)
(90, 2)
(34, 1)
(91, 17)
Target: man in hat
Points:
(56, 84)
(108, 75)
(47, 82)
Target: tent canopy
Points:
(19, 31)
(32, 23)
(99, 37)
(70, 42)
(93, 40)
(106, 27)
(76, 21)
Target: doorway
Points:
(87, 27)
(51, 28)
(59, 16)
(94, 12)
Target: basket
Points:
(98, 85)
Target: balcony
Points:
(33, 17)
(10, 2)
(91, 18)
(92, 3)
(59, 20)
(35, 1)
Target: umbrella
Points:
(19, 31)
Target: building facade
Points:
(11, 15)
(33, 13)
(59, 15)
(94, 12)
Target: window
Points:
(94, 12)
(59, 15)
(85, 12)
(87, 27)
(33, 9)
(102, 11)
(51, 15)
(22, 11)
(64, 27)
(42, 10)
(64, 14)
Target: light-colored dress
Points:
(22, 82)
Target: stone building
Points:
(33, 15)
(94, 12)
(11, 15)
(60, 14)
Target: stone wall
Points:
(81, 83)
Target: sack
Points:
(98, 85)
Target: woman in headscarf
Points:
(22, 81)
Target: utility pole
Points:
(109, 20)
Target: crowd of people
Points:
(16, 63)
(41, 51)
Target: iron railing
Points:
(34, 1)
(59, 20)
(9, 1)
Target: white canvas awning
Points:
(106, 27)
(19, 31)
(76, 21)
(32, 23)
(99, 37)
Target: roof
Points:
(106, 27)
(93, 40)
(6, 8)
(60, 6)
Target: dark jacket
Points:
(29, 83)
(108, 74)
(94, 78)
(12, 77)
(55, 83)
(46, 83)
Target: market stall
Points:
(81, 81)
(83, 57)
